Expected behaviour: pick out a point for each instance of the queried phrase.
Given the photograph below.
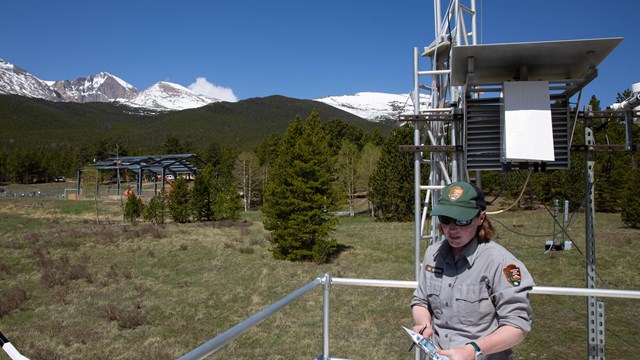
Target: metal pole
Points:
(474, 28)
(416, 167)
(98, 184)
(326, 291)
(458, 21)
(595, 332)
(78, 180)
(219, 341)
(565, 222)
(555, 220)
(140, 174)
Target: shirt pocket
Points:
(473, 305)
(434, 285)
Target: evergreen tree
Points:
(226, 203)
(201, 200)
(620, 97)
(374, 137)
(213, 154)
(133, 208)
(631, 201)
(338, 130)
(300, 195)
(214, 197)
(391, 184)
(3, 166)
(173, 146)
(267, 154)
(157, 209)
(179, 201)
(25, 167)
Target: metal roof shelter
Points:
(564, 61)
(489, 73)
(158, 166)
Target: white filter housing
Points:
(527, 131)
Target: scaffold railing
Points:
(327, 281)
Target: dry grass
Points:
(85, 291)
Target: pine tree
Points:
(338, 131)
(157, 209)
(226, 202)
(133, 208)
(631, 201)
(179, 201)
(201, 199)
(391, 184)
(213, 197)
(300, 196)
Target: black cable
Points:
(582, 204)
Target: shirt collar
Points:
(469, 251)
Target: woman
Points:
(473, 295)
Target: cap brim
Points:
(456, 212)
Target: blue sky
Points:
(301, 49)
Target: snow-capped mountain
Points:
(102, 87)
(14, 80)
(166, 95)
(374, 106)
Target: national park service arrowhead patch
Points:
(513, 274)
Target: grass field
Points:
(74, 285)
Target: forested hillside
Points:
(29, 123)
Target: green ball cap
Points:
(461, 201)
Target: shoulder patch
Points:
(513, 274)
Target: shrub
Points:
(133, 208)
(127, 319)
(58, 271)
(11, 299)
(157, 209)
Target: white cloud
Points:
(204, 87)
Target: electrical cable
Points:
(582, 204)
(546, 208)
(524, 187)
(520, 233)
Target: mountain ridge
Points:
(102, 87)
(166, 96)
(36, 123)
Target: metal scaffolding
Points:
(466, 124)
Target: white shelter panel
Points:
(527, 131)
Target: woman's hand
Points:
(424, 330)
(466, 352)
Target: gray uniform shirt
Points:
(487, 287)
